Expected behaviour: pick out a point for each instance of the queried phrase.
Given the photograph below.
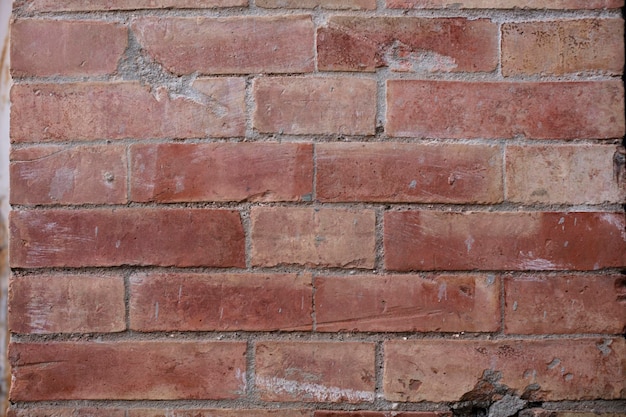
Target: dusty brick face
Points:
(537, 110)
(562, 174)
(302, 106)
(400, 172)
(315, 371)
(427, 240)
(66, 412)
(313, 237)
(218, 413)
(237, 45)
(444, 303)
(311, 4)
(225, 302)
(63, 175)
(133, 236)
(81, 5)
(552, 370)
(55, 303)
(561, 47)
(506, 4)
(565, 303)
(71, 48)
(158, 370)
(350, 43)
(119, 110)
(238, 172)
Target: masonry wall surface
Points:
(319, 208)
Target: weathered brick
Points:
(118, 110)
(536, 304)
(302, 106)
(315, 371)
(561, 47)
(237, 172)
(134, 236)
(192, 302)
(540, 412)
(443, 303)
(505, 4)
(71, 48)
(431, 240)
(538, 110)
(66, 304)
(151, 370)
(82, 5)
(349, 43)
(562, 174)
(382, 414)
(66, 412)
(311, 4)
(402, 172)
(283, 412)
(232, 45)
(313, 237)
(63, 175)
(552, 370)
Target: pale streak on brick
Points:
(69, 48)
(445, 370)
(66, 412)
(120, 110)
(311, 4)
(232, 45)
(240, 412)
(505, 4)
(93, 5)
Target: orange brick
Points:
(82, 5)
(505, 4)
(311, 4)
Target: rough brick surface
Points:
(316, 237)
(303, 106)
(192, 302)
(55, 303)
(400, 172)
(237, 172)
(431, 240)
(112, 237)
(238, 45)
(66, 412)
(310, 4)
(62, 175)
(118, 110)
(538, 110)
(82, 5)
(315, 371)
(446, 370)
(536, 304)
(158, 370)
(561, 47)
(218, 413)
(350, 43)
(445, 303)
(506, 4)
(380, 414)
(562, 174)
(71, 48)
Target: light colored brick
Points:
(311, 4)
(505, 4)
(93, 5)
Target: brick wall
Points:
(317, 208)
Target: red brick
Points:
(552, 370)
(538, 304)
(562, 47)
(66, 412)
(351, 43)
(202, 302)
(238, 172)
(70, 48)
(302, 106)
(67, 304)
(506, 4)
(134, 236)
(381, 414)
(311, 4)
(401, 303)
(231, 45)
(217, 413)
(62, 175)
(119, 110)
(315, 371)
(150, 370)
(431, 240)
(313, 237)
(402, 172)
(567, 174)
(538, 110)
(79, 5)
